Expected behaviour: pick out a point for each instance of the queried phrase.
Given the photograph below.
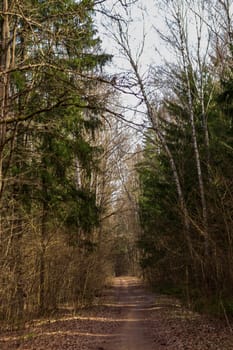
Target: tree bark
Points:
(4, 82)
(193, 128)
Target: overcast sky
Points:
(144, 17)
(140, 20)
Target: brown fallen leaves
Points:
(166, 324)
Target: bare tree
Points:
(137, 85)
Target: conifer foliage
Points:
(51, 94)
(186, 245)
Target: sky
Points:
(143, 18)
(138, 26)
(155, 49)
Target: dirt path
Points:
(127, 318)
(133, 303)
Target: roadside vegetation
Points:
(91, 187)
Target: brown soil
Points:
(127, 318)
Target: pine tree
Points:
(52, 94)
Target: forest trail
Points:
(127, 317)
(133, 304)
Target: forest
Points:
(111, 168)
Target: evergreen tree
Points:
(52, 95)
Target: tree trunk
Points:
(153, 120)
(4, 82)
(19, 292)
(42, 305)
(193, 129)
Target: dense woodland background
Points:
(91, 187)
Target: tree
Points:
(180, 152)
(50, 104)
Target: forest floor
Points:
(127, 317)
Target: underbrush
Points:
(218, 306)
(214, 306)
